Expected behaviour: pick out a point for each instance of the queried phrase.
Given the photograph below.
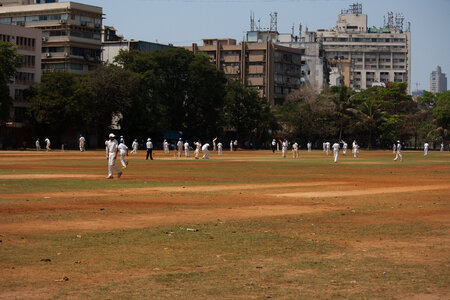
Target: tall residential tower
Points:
(368, 56)
(438, 81)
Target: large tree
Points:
(247, 114)
(60, 103)
(9, 60)
(184, 90)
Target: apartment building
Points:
(28, 42)
(375, 54)
(438, 81)
(71, 32)
(272, 69)
(315, 67)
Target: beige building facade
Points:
(28, 42)
(272, 69)
(375, 54)
(71, 33)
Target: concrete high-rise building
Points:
(28, 42)
(71, 32)
(438, 81)
(315, 68)
(272, 69)
(373, 54)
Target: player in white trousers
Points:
(38, 145)
(231, 146)
(180, 147)
(328, 148)
(394, 148)
(214, 144)
(295, 150)
(205, 149)
(344, 147)
(186, 149)
(47, 144)
(309, 146)
(355, 149)
(82, 143)
(284, 148)
(442, 146)
(134, 146)
(398, 153)
(198, 146)
(123, 150)
(166, 147)
(336, 151)
(219, 148)
(425, 149)
(111, 155)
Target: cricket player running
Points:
(134, 146)
(425, 149)
(295, 150)
(82, 143)
(398, 152)
(111, 154)
(123, 150)
(336, 151)
(186, 149)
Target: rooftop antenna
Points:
(408, 27)
(390, 19)
(259, 24)
(293, 29)
(417, 86)
(252, 21)
(274, 21)
(399, 19)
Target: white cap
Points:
(398, 141)
(111, 135)
(149, 139)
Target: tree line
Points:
(376, 117)
(174, 90)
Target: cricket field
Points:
(245, 225)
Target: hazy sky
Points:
(183, 22)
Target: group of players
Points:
(114, 147)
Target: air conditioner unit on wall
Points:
(48, 54)
(44, 38)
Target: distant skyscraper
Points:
(438, 81)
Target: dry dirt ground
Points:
(66, 194)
